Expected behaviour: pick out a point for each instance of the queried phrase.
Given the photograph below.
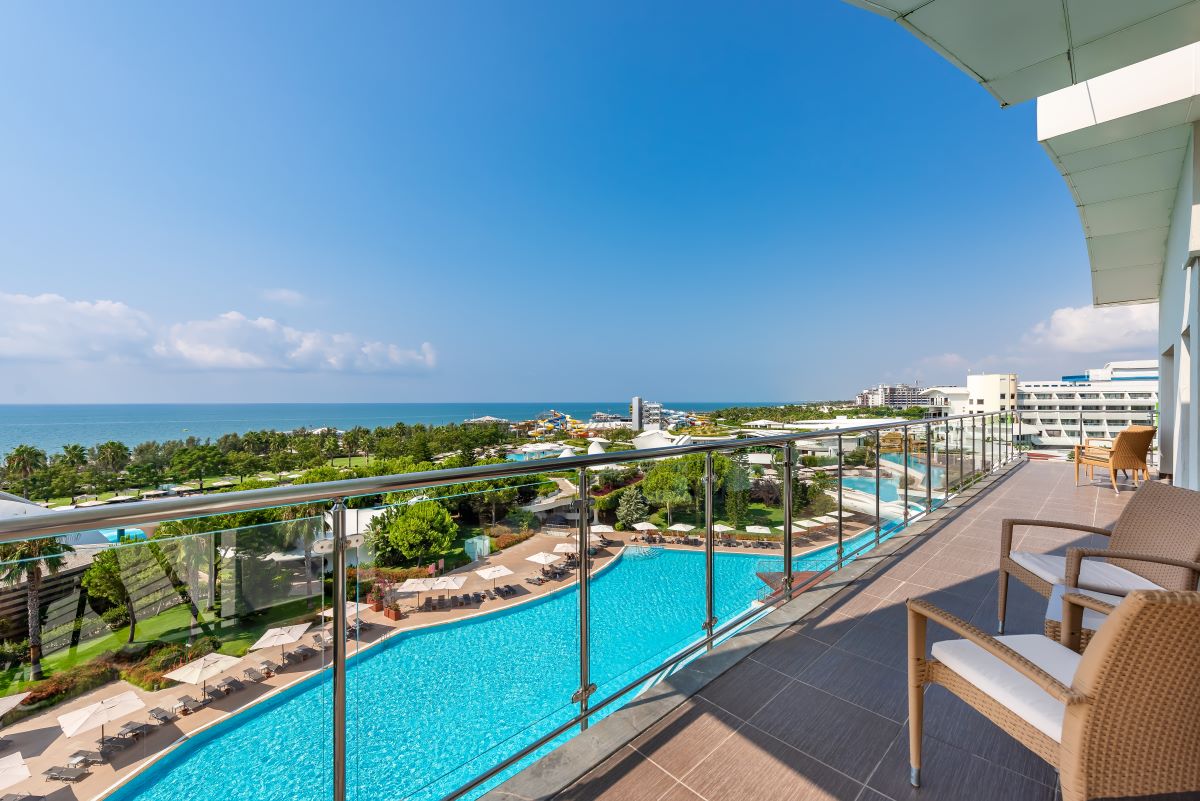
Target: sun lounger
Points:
(133, 729)
(510, 589)
(81, 759)
(269, 667)
(321, 641)
(112, 744)
(215, 692)
(229, 685)
(479, 597)
(252, 674)
(62, 774)
(187, 704)
(20, 797)
(160, 715)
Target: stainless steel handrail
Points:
(131, 514)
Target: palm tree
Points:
(25, 561)
(22, 462)
(74, 454)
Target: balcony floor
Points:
(820, 711)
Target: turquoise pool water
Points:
(889, 488)
(917, 463)
(430, 709)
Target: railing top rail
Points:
(132, 514)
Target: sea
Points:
(50, 426)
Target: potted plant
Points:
(393, 611)
(374, 601)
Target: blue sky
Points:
(518, 201)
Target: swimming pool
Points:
(889, 488)
(430, 709)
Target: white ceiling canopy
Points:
(1021, 49)
(1119, 141)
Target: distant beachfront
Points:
(50, 426)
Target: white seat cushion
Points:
(1011, 689)
(1094, 574)
(1091, 618)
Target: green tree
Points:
(22, 462)
(632, 508)
(198, 462)
(358, 441)
(737, 495)
(74, 455)
(665, 486)
(114, 574)
(26, 561)
(243, 464)
(415, 531)
(111, 457)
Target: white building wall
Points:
(1178, 325)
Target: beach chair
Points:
(269, 667)
(322, 642)
(106, 744)
(230, 685)
(251, 674)
(215, 692)
(81, 759)
(479, 597)
(133, 729)
(187, 704)
(160, 715)
(305, 652)
(61, 774)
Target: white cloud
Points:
(233, 341)
(53, 329)
(284, 296)
(1087, 329)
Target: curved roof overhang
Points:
(1022, 49)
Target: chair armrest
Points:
(1008, 656)
(1074, 603)
(1075, 557)
(1087, 443)
(1006, 530)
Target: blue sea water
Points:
(430, 709)
(50, 426)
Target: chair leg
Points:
(1002, 604)
(1077, 472)
(916, 694)
(1112, 475)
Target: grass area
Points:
(352, 461)
(171, 625)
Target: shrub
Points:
(509, 538)
(71, 682)
(522, 520)
(116, 617)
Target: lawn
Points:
(759, 515)
(170, 626)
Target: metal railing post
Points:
(840, 471)
(586, 688)
(710, 619)
(338, 513)
(904, 475)
(974, 453)
(878, 516)
(962, 478)
(787, 519)
(928, 467)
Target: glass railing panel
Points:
(127, 639)
(467, 645)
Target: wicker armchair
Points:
(1128, 452)
(1121, 720)
(1160, 523)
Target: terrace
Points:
(813, 706)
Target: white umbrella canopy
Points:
(12, 770)
(795, 525)
(543, 558)
(645, 526)
(10, 702)
(565, 547)
(199, 671)
(757, 530)
(721, 528)
(842, 514)
(826, 519)
(416, 585)
(810, 523)
(494, 572)
(352, 610)
(451, 582)
(603, 529)
(281, 636)
(98, 714)
(684, 527)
